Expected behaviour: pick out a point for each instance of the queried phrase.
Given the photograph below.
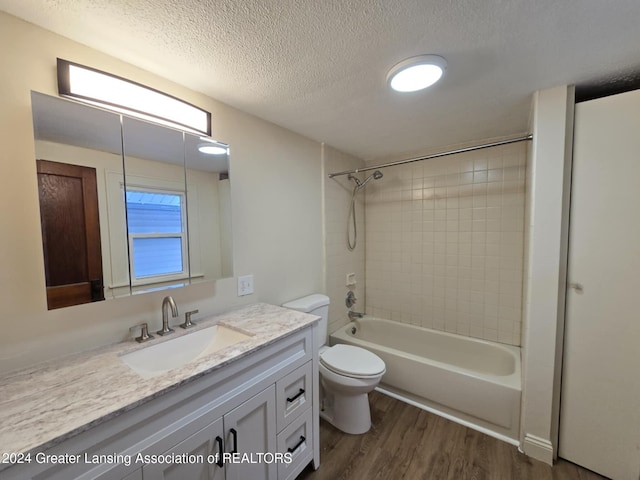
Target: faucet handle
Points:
(187, 319)
(144, 332)
(351, 300)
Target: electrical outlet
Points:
(245, 285)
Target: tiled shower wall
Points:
(445, 243)
(339, 260)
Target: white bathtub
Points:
(474, 382)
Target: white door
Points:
(600, 403)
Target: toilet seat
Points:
(352, 361)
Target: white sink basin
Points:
(156, 359)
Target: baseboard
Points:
(538, 448)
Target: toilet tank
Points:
(316, 304)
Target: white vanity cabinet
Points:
(261, 405)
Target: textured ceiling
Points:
(319, 67)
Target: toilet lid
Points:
(352, 361)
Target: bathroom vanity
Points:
(249, 410)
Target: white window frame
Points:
(153, 279)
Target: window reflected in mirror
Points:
(157, 234)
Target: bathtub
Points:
(470, 381)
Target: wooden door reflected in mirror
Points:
(70, 233)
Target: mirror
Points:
(80, 170)
(126, 206)
(209, 208)
(155, 199)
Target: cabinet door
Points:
(250, 430)
(114, 475)
(137, 475)
(202, 446)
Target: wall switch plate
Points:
(245, 285)
(351, 279)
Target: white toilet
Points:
(347, 373)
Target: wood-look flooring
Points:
(406, 442)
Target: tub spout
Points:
(354, 315)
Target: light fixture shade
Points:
(212, 147)
(115, 93)
(416, 73)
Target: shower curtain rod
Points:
(436, 155)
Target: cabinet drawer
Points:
(296, 439)
(294, 393)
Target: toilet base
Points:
(348, 413)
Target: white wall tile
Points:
(444, 243)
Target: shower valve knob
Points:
(350, 300)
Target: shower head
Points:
(377, 175)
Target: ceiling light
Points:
(416, 73)
(108, 91)
(212, 150)
(213, 147)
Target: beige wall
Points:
(340, 261)
(276, 210)
(445, 243)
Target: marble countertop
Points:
(44, 405)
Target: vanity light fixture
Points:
(416, 73)
(213, 147)
(111, 92)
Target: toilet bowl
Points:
(347, 373)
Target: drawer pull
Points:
(220, 452)
(293, 449)
(234, 433)
(293, 399)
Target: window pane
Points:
(150, 212)
(157, 256)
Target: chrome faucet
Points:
(167, 302)
(353, 315)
